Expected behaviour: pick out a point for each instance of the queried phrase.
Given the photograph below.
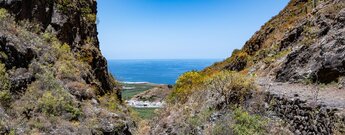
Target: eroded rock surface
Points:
(53, 77)
(321, 61)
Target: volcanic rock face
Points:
(53, 77)
(74, 23)
(323, 60)
(301, 43)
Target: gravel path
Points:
(330, 96)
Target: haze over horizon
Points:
(180, 29)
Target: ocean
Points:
(155, 71)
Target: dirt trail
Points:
(330, 96)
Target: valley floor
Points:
(134, 96)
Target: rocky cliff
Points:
(302, 43)
(73, 23)
(53, 76)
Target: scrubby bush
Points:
(238, 61)
(4, 80)
(88, 51)
(109, 101)
(200, 118)
(70, 6)
(185, 85)
(143, 128)
(48, 96)
(5, 98)
(3, 55)
(220, 129)
(222, 126)
(66, 5)
(80, 90)
(278, 55)
(246, 124)
(63, 51)
(5, 95)
(50, 38)
(232, 86)
(55, 100)
(91, 18)
(30, 26)
(58, 102)
(68, 68)
(3, 13)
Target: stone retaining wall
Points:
(307, 118)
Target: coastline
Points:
(144, 94)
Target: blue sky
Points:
(180, 29)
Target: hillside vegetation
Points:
(53, 78)
(303, 44)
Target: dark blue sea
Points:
(155, 71)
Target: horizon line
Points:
(166, 58)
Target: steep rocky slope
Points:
(280, 82)
(53, 77)
(73, 23)
(301, 43)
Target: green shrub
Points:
(63, 51)
(5, 98)
(55, 100)
(4, 79)
(232, 86)
(246, 124)
(109, 101)
(58, 102)
(48, 96)
(67, 66)
(238, 61)
(67, 70)
(33, 26)
(200, 118)
(87, 52)
(144, 113)
(12, 132)
(222, 128)
(91, 18)
(3, 13)
(70, 6)
(185, 85)
(66, 5)
(273, 58)
(50, 37)
(5, 95)
(3, 55)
